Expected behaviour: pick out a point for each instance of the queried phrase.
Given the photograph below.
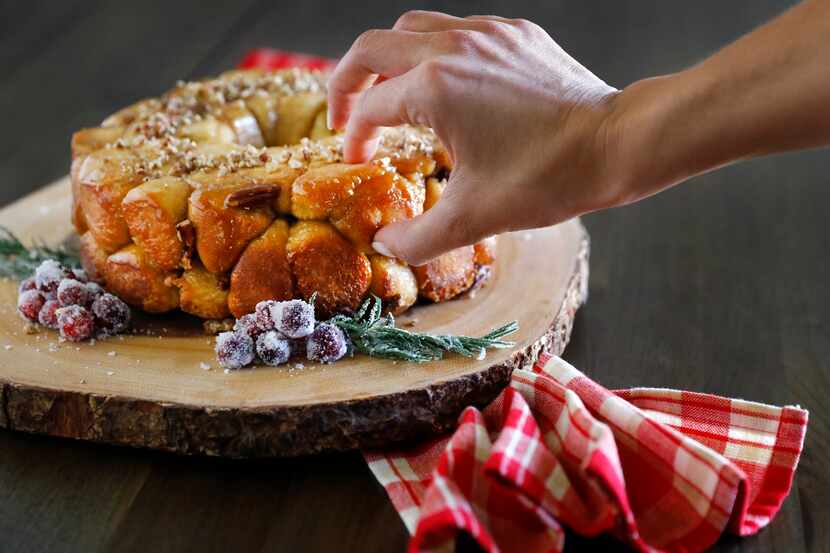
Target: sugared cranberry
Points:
(94, 289)
(48, 316)
(234, 350)
(26, 285)
(29, 304)
(49, 275)
(247, 324)
(273, 348)
(75, 323)
(294, 318)
(326, 344)
(78, 274)
(111, 313)
(74, 292)
(264, 314)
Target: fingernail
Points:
(329, 124)
(381, 248)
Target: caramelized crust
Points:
(77, 213)
(320, 129)
(262, 271)
(434, 190)
(265, 107)
(133, 279)
(447, 275)
(222, 232)
(485, 251)
(357, 199)
(323, 261)
(86, 141)
(93, 258)
(297, 114)
(244, 124)
(103, 179)
(209, 129)
(202, 293)
(394, 283)
(127, 115)
(152, 211)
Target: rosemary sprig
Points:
(19, 261)
(376, 335)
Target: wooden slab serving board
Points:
(152, 391)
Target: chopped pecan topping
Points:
(252, 196)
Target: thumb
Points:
(442, 228)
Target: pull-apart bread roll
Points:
(226, 192)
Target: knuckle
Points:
(433, 71)
(408, 18)
(525, 25)
(460, 39)
(494, 28)
(367, 40)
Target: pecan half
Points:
(252, 196)
(187, 234)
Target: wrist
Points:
(648, 135)
(662, 131)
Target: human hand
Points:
(529, 129)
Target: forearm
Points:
(768, 92)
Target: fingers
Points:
(426, 22)
(416, 37)
(438, 230)
(430, 22)
(386, 104)
(383, 52)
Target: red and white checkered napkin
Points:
(663, 470)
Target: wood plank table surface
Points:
(719, 286)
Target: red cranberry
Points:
(29, 304)
(26, 285)
(234, 350)
(75, 323)
(326, 344)
(273, 348)
(294, 318)
(74, 292)
(48, 316)
(111, 313)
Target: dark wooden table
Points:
(720, 285)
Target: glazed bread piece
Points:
(226, 192)
(153, 211)
(323, 261)
(262, 272)
(202, 293)
(130, 276)
(394, 283)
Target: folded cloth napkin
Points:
(663, 470)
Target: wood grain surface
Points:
(719, 285)
(149, 389)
